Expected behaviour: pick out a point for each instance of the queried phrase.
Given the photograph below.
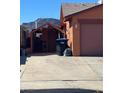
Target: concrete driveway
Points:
(52, 72)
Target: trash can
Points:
(61, 45)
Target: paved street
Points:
(52, 73)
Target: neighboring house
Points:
(43, 39)
(83, 24)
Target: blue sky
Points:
(30, 10)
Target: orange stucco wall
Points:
(69, 30)
(73, 31)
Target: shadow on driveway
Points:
(43, 54)
(60, 91)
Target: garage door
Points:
(91, 39)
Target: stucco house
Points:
(83, 25)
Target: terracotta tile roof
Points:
(71, 8)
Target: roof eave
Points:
(69, 16)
